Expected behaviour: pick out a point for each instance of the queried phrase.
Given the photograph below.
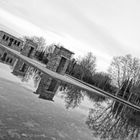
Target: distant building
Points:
(10, 41)
(27, 48)
(58, 62)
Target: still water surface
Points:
(74, 115)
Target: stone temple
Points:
(57, 61)
(11, 42)
(28, 50)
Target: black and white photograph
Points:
(69, 70)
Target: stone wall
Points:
(55, 59)
(18, 68)
(11, 41)
(48, 86)
(53, 62)
(29, 48)
(65, 52)
(9, 57)
(59, 59)
(43, 88)
(2, 50)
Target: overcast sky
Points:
(105, 27)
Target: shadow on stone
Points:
(41, 96)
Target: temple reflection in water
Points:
(107, 120)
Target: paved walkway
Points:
(69, 80)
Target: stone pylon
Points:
(47, 87)
(29, 49)
(58, 62)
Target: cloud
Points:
(24, 27)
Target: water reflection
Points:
(34, 74)
(107, 124)
(72, 95)
(107, 119)
(31, 74)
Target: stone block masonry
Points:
(58, 62)
(6, 57)
(11, 41)
(20, 68)
(47, 87)
(29, 48)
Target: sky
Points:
(106, 28)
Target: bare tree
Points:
(124, 68)
(50, 48)
(87, 65)
(89, 62)
(40, 41)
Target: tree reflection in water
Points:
(110, 123)
(109, 119)
(34, 74)
(72, 95)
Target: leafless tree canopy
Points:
(124, 68)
